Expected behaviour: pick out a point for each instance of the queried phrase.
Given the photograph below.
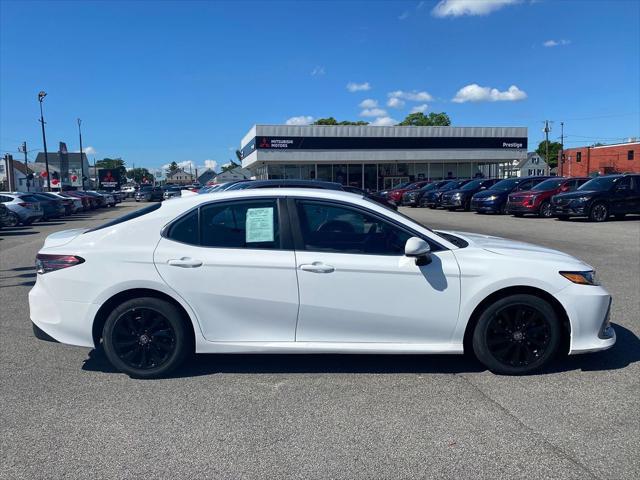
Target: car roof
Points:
(291, 183)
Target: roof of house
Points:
(178, 171)
(54, 157)
(207, 175)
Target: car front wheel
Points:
(517, 335)
(146, 338)
(599, 213)
(545, 210)
(12, 220)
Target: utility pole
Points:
(41, 96)
(546, 131)
(561, 147)
(81, 161)
(23, 148)
(8, 160)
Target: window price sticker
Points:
(259, 225)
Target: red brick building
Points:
(605, 159)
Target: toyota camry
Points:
(309, 271)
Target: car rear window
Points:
(127, 217)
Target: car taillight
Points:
(23, 204)
(48, 263)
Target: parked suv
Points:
(149, 194)
(396, 194)
(412, 197)
(461, 197)
(599, 198)
(494, 199)
(23, 208)
(537, 201)
(433, 198)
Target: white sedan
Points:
(309, 271)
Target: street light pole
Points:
(81, 162)
(41, 96)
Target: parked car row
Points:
(24, 208)
(544, 196)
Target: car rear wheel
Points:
(599, 212)
(146, 338)
(12, 220)
(545, 210)
(517, 335)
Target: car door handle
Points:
(317, 267)
(185, 262)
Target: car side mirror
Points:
(419, 249)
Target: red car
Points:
(396, 194)
(537, 201)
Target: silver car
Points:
(23, 208)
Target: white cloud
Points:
(419, 108)
(317, 70)
(395, 102)
(301, 120)
(384, 122)
(89, 150)
(457, 8)
(413, 96)
(212, 164)
(373, 112)
(404, 15)
(556, 43)
(476, 93)
(368, 103)
(358, 87)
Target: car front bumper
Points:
(588, 309)
(451, 202)
(485, 206)
(521, 208)
(569, 210)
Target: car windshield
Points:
(600, 184)
(450, 186)
(506, 184)
(550, 184)
(401, 186)
(429, 186)
(472, 185)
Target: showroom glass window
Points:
(329, 227)
(247, 224)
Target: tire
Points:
(545, 210)
(503, 209)
(451, 209)
(146, 338)
(28, 222)
(467, 206)
(599, 212)
(517, 335)
(12, 220)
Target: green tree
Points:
(333, 121)
(229, 166)
(554, 150)
(419, 119)
(113, 163)
(138, 174)
(173, 166)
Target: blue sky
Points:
(156, 82)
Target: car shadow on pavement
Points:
(15, 233)
(625, 352)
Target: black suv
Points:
(599, 198)
(461, 197)
(433, 198)
(149, 194)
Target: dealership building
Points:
(376, 158)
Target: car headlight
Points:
(581, 199)
(582, 278)
(456, 195)
(492, 197)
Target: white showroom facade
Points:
(377, 158)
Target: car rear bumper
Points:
(65, 321)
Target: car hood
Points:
(514, 248)
(578, 194)
(488, 193)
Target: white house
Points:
(534, 164)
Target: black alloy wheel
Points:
(599, 213)
(145, 338)
(545, 210)
(517, 334)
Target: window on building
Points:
(630, 155)
(329, 227)
(578, 157)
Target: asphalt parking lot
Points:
(66, 414)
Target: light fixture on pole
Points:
(41, 96)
